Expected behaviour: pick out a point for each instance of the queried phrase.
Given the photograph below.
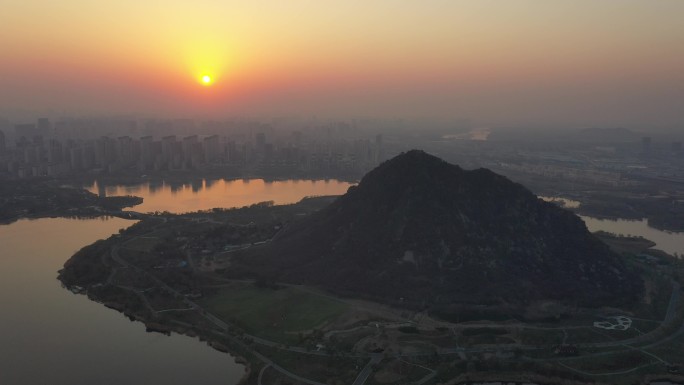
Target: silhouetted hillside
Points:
(417, 230)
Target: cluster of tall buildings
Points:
(42, 150)
(647, 147)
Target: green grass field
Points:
(622, 361)
(541, 337)
(318, 368)
(143, 243)
(274, 314)
(587, 335)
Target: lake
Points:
(670, 242)
(208, 194)
(50, 336)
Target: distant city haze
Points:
(561, 63)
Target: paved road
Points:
(363, 375)
(674, 301)
(220, 323)
(283, 370)
(607, 374)
(666, 339)
(367, 370)
(261, 374)
(670, 316)
(427, 377)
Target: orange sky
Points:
(561, 62)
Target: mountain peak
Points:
(429, 232)
(414, 161)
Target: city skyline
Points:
(524, 63)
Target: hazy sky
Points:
(507, 62)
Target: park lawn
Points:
(541, 337)
(645, 326)
(145, 243)
(612, 363)
(618, 335)
(273, 314)
(671, 351)
(325, 369)
(590, 334)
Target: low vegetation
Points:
(281, 314)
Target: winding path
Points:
(375, 358)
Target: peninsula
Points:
(424, 273)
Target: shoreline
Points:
(187, 331)
(469, 378)
(219, 335)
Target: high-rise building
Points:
(171, 157)
(190, 151)
(260, 141)
(63, 130)
(88, 156)
(646, 144)
(26, 131)
(211, 149)
(124, 153)
(379, 153)
(234, 155)
(31, 154)
(76, 158)
(105, 151)
(55, 152)
(146, 157)
(2, 143)
(44, 127)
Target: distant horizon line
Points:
(464, 123)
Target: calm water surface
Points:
(667, 241)
(670, 242)
(50, 336)
(209, 194)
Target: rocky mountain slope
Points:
(419, 231)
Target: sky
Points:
(560, 63)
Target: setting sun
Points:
(206, 79)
